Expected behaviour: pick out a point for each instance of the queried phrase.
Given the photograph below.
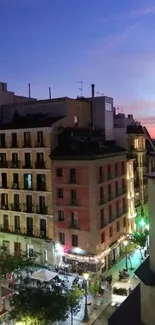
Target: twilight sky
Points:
(57, 42)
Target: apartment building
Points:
(130, 195)
(26, 215)
(89, 199)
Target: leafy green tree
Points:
(95, 285)
(35, 305)
(74, 298)
(139, 239)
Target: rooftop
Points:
(135, 129)
(30, 121)
(89, 146)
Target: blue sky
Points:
(58, 42)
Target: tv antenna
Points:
(80, 88)
(98, 93)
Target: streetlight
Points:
(86, 277)
(126, 254)
(142, 223)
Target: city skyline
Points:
(58, 43)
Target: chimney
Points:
(49, 92)
(92, 105)
(29, 86)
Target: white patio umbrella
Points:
(43, 275)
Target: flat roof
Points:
(30, 122)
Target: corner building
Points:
(26, 218)
(89, 200)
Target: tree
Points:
(35, 305)
(139, 239)
(74, 298)
(95, 285)
(9, 262)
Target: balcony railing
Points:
(27, 166)
(4, 206)
(28, 208)
(3, 164)
(14, 145)
(27, 144)
(101, 179)
(15, 164)
(34, 232)
(73, 202)
(72, 181)
(40, 165)
(4, 185)
(15, 207)
(73, 226)
(41, 188)
(26, 188)
(39, 144)
(42, 209)
(15, 186)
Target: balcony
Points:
(101, 179)
(3, 164)
(27, 166)
(72, 181)
(4, 206)
(42, 210)
(103, 200)
(40, 165)
(15, 186)
(74, 226)
(73, 202)
(14, 145)
(26, 188)
(110, 197)
(28, 208)
(15, 164)
(4, 185)
(27, 144)
(35, 233)
(3, 146)
(41, 188)
(39, 144)
(109, 176)
(15, 207)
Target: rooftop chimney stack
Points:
(92, 105)
(49, 92)
(29, 86)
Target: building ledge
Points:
(145, 274)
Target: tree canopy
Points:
(139, 238)
(74, 298)
(35, 305)
(95, 285)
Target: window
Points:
(40, 138)
(124, 222)
(15, 178)
(29, 224)
(102, 238)
(27, 160)
(42, 205)
(135, 143)
(117, 208)
(43, 228)
(109, 171)
(75, 241)
(5, 222)
(118, 226)
(116, 170)
(109, 191)
(60, 215)
(27, 181)
(110, 213)
(102, 218)
(123, 167)
(73, 196)
(41, 182)
(60, 193)
(4, 200)
(75, 120)
(62, 238)
(16, 199)
(4, 180)
(74, 219)
(3, 162)
(116, 188)
(17, 223)
(2, 140)
(59, 172)
(111, 232)
(100, 174)
(72, 175)
(30, 250)
(29, 203)
(101, 193)
(108, 107)
(27, 139)
(14, 157)
(14, 140)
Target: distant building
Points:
(9, 97)
(89, 199)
